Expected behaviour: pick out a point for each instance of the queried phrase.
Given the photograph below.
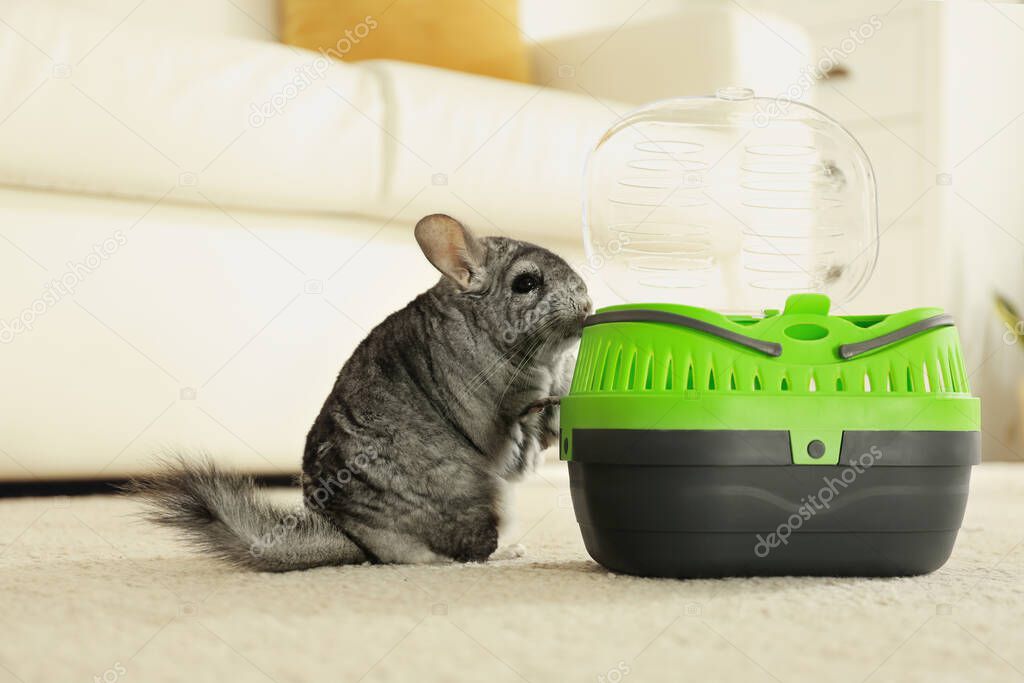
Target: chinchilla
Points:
(441, 406)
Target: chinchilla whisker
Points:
(489, 372)
(515, 374)
(485, 374)
(519, 364)
(537, 348)
(518, 367)
(504, 357)
(482, 377)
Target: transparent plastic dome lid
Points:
(730, 202)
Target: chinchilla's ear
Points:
(451, 248)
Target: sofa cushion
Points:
(236, 123)
(462, 35)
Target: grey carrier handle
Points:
(642, 316)
(848, 351)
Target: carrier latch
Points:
(808, 304)
(815, 446)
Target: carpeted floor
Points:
(87, 593)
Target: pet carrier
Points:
(800, 441)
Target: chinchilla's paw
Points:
(509, 552)
(475, 545)
(548, 438)
(541, 405)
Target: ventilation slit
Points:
(812, 385)
(757, 382)
(689, 377)
(785, 384)
(924, 373)
(631, 381)
(910, 381)
(668, 376)
(612, 377)
(964, 381)
(599, 368)
(711, 379)
(839, 384)
(732, 380)
(867, 383)
(649, 374)
(954, 376)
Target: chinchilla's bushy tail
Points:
(225, 514)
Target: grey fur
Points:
(222, 514)
(437, 410)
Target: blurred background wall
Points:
(931, 90)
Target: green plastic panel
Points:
(649, 375)
(631, 357)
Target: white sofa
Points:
(181, 272)
(252, 248)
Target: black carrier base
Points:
(700, 520)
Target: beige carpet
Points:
(86, 594)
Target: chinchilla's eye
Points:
(526, 282)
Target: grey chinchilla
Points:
(436, 411)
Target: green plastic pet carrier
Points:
(702, 443)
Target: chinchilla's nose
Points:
(584, 306)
